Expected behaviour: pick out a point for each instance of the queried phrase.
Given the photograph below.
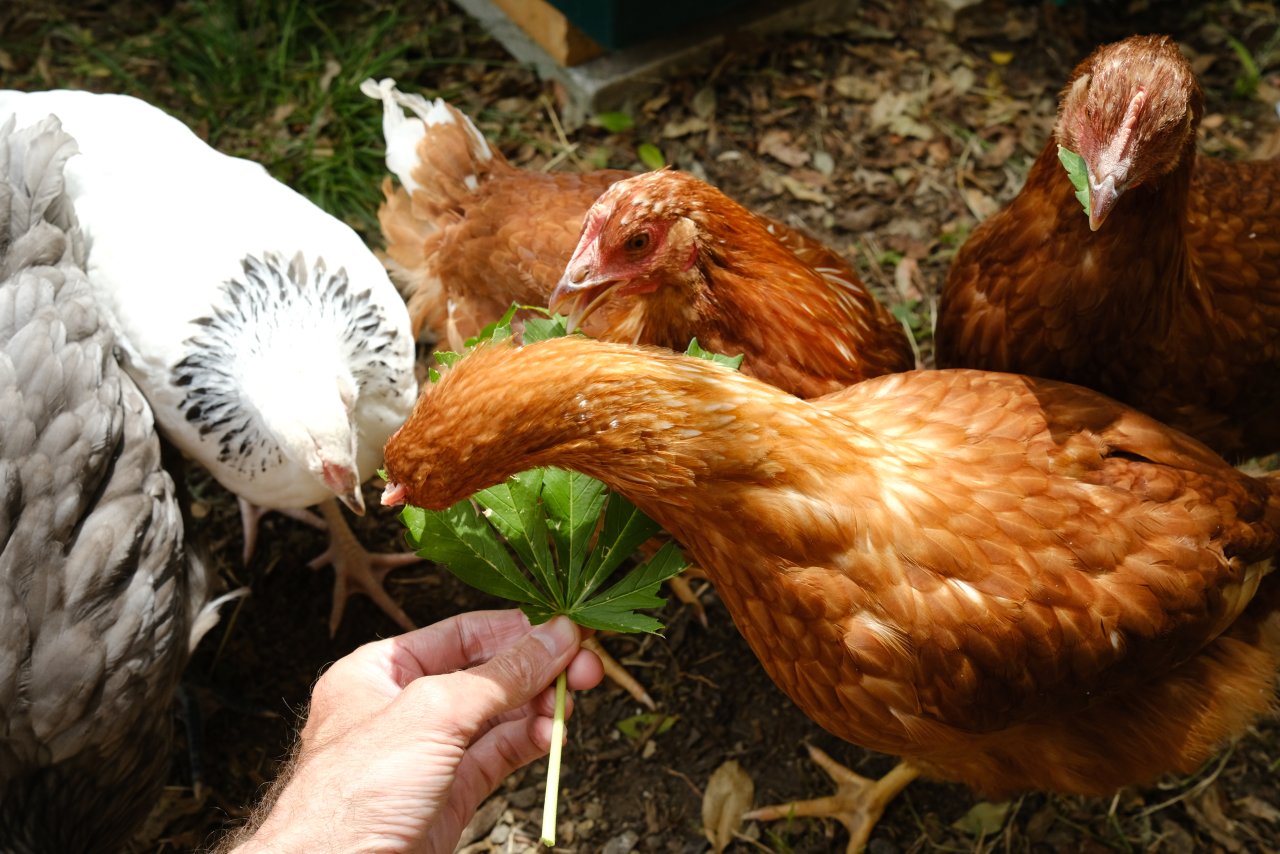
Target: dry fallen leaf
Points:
(729, 794)
(805, 193)
(777, 144)
(984, 819)
(1258, 808)
(856, 87)
(676, 129)
(980, 204)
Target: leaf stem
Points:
(549, 805)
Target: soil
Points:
(889, 136)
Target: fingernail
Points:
(557, 634)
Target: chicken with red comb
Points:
(1009, 582)
(1164, 292)
(671, 258)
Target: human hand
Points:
(406, 736)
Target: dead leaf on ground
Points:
(898, 112)
(729, 794)
(778, 145)
(907, 279)
(805, 193)
(984, 819)
(1207, 810)
(857, 87)
(1259, 808)
(704, 103)
(980, 204)
(677, 129)
(332, 68)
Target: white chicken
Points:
(99, 606)
(267, 337)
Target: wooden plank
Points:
(547, 26)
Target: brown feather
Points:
(1173, 305)
(739, 283)
(1011, 582)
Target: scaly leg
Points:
(251, 515)
(857, 804)
(615, 671)
(358, 571)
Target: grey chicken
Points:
(99, 603)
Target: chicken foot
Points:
(251, 515)
(619, 674)
(357, 570)
(857, 804)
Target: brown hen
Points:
(671, 258)
(1012, 583)
(468, 234)
(1166, 293)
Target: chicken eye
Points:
(637, 242)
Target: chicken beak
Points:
(343, 483)
(580, 298)
(1102, 197)
(395, 494)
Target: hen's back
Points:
(467, 233)
(97, 600)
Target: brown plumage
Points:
(468, 234)
(671, 258)
(1013, 583)
(1173, 303)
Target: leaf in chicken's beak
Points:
(1078, 172)
(697, 351)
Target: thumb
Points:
(514, 676)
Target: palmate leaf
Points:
(542, 328)
(460, 539)
(573, 502)
(615, 608)
(1078, 172)
(515, 512)
(624, 529)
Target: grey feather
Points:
(97, 597)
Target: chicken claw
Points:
(857, 804)
(358, 571)
(251, 514)
(619, 674)
(684, 591)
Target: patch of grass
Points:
(276, 81)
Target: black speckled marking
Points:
(270, 293)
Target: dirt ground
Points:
(889, 135)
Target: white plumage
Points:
(266, 336)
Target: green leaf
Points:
(1078, 172)
(496, 331)
(615, 122)
(414, 519)
(650, 155)
(983, 819)
(448, 358)
(461, 540)
(1247, 83)
(542, 328)
(573, 502)
(625, 528)
(612, 609)
(695, 349)
(516, 514)
(653, 723)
